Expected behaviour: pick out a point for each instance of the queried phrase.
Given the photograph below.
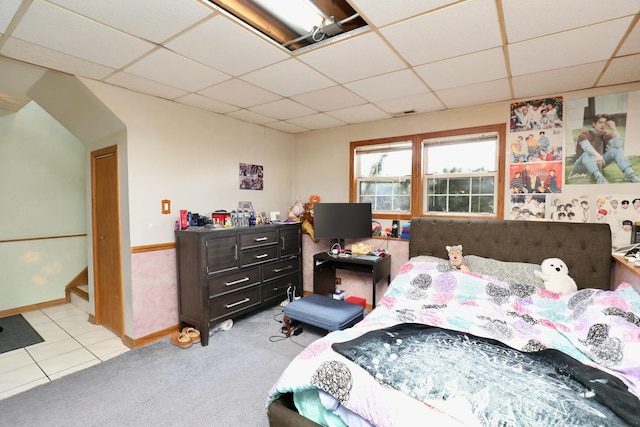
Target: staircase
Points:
(77, 292)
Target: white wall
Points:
(42, 183)
(191, 157)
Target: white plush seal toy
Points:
(555, 276)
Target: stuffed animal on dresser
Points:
(456, 260)
(555, 275)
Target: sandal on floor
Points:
(193, 334)
(181, 339)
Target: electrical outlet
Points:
(338, 280)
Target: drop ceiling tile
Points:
(283, 109)
(632, 43)
(622, 70)
(288, 78)
(359, 114)
(204, 103)
(7, 12)
(581, 46)
(351, 59)
(455, 30)
(331, 98)
(317, 121)
(388, 86)
(49, 26)
(559, 80)
(422, 103)
(226, 46)
(48, 58)
(240, 93)
(143, 85)
(476, 94)
(165, 66)
(383, 12)
(251, 117)
(287, 127)
(154, 20)
(525, 19)
(464, 70)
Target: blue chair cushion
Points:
(324, 312)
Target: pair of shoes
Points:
(186, 337)
(181, 339)
(193, 334)
(631, 177)
(601, 180)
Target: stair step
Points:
(81, 291)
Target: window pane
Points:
(390, 163)
(459, 186)
(461, 157)
(459, 204)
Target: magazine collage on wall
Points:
(577, 161)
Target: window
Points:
(384, 176)
(454, 173)
(461, 174)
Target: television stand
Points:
(325, 266)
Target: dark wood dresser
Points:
(225, 273)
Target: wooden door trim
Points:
(95, 155)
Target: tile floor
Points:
(71, 343)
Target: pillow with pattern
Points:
(510, 272)
(427, 258)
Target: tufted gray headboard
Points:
(585, 248)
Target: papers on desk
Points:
(623, 250)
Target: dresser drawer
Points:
(235, 302)
(265, 237)
(276, 290)
(280, 268)
(258, 255)
(232, 282)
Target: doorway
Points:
(107, 251)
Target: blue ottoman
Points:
(322, 312)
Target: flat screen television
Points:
(340, 221)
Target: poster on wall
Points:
(620, 211)
(603, 139)
(536, 156)
(251, 177)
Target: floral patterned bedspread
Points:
(597, 328)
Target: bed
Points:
(489, 347)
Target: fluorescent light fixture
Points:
(299, 15)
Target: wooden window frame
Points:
(417, 169)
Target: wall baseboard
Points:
(32, 307)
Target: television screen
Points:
(339, 221)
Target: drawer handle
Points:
(235, 282)
(235, 256)
(283, 247)
(260, 239)
(278, 270)
(262, 256)
(238, 303)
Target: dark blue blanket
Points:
(504, 387)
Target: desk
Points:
(325, 266)
(624, 271)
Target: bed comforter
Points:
(491, 353)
